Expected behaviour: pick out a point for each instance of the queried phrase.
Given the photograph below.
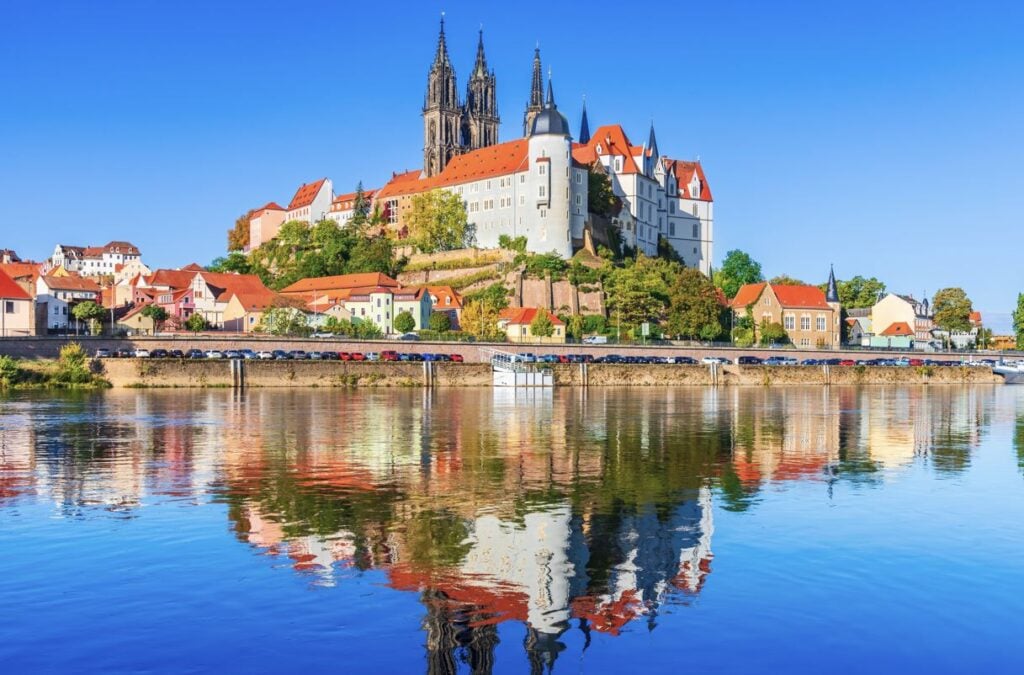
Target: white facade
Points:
(59, 295)
(94, 260)
(312, 207)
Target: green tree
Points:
(90, 312)
(694, 311)
(600, 197)
(232, 262)
(542, 326)
(737, 269)
(480, 319)
(952, 310)
(1018, 321)
(517, 244)
(575, 326)
(438, 222)
(196, 323)
(858, 292)
(360, 206)
(404, 322)
(283, 321)
(238, 236)
(440, 322)
(772, 333)
(72, 365)
(638, 292)
(157, 313)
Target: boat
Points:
(1013, 373)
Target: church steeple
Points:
(584, 124)
(442, 114)
(832, 291)
(480, 115)
(536, 102)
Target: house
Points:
(24, 274)
(894, 308)
(57, 296)
(338, 287)
(858, 330)
(897, 335)
(446, 300)
(264, 224)
(809, 316)
(380, 305)
(8, 255)
(17, 314)
(134, 322)
(245, 308)
(94, 260)
(212, 291)
(312, 202)
(318, 312)
(515, 321)
(343, 206)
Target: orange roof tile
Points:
(494, 160)
(305, 195)
(748, 295)
(341, 282)
(684, 171)
(613, 141)
(71, 284)
(10, 290)
(446, 297)
(898, 329)
(801, 296)
(525, 315)
(269, 206)
(173, 279)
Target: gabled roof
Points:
(974, 318)
(122, 247)
(173, 279)
(748, 295)
(341, 282)
(305, 195)
(92, 252)
(10, 290)
(20, 270)
(269, 206)
(612, 140)
(898, 329)
(70, 283)
(226, 284)
(525, 315)
(454, 300)
(807, 297)
(684, 171)
(494, 160)
(346, 201)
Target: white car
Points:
(372, 356)
(595, 340)
(142, 353)
(214, 354)
(265, 355)
(721, 360)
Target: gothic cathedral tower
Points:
(536, 102)
(442, 115)
(480, 115)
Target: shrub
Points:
(404, 322)
(72, 365)
(440, 322)
(10, 372)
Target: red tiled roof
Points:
(122, 247)
(801, 296)
(229, 284)
(748, 295)
(684, 171)
(269, 206)
(525, 315)
(613, 141)
(92, 252)
(71, 284)
(975, 318)
(494, 160)
(898, 329)
(10, 290)
(340, 282)
(342, 201)
(305, 195)
(18, 270)
(443, 292)
(173, 279)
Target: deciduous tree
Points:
(238, 236)
(157, 313)
(541, 326)
(90, 312)
(600, 197)
(772, 333)
(480, 319)
(405, 322)
(440, 322)
(737, 269)
(1018, 321)
(437, 222)
(694, 311)
(196, 323)
(952, 310)
(785, 280)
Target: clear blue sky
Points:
(883, 137)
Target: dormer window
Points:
(599, 150)
(618, 164)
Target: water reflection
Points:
(565, 510)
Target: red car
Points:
(562, 358)
(456, 358)
(389, 355)
(847, 362)
(358, 356)
(917, 362)
(344, 356)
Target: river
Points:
(813, 529)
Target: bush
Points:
(773, 333)
(496, 295)
(458, 283)
(404, 322)
(72, 366)
(10, 372)
(440, 322)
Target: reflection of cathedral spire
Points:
(456, 635)
(542, 650)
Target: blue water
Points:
(741, 530)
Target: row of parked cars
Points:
(272, 355)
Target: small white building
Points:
(312, 202)
(58, 295)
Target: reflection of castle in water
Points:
(569, 510)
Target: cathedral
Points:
(450, 126)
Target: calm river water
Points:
(655, 530)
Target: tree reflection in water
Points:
(585, 509)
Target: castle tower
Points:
(536, 102)
(550, 185)
(442, 114)
(832, 298)
(480, 115)
(584, 125)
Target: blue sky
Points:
(885, 138)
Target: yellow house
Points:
(515, 321)
(136, 323)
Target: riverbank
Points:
(162, 373)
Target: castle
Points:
(535, 186)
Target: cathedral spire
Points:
(536, 102)
(481, 60)
(584, 124)
(550, 103)
(652, 142)
(442, 46)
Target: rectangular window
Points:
(488, 185)
(789, 322)
(522, 178)
(822, 324)
(805, 322)
(696, 231)
(8, 307)
(543, 213)
(542, 191)
(579, 200)
(579, 178)
(522, 200)
(542, 169)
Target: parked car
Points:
(322, 334)
(124, 353)
(265, 355)
(247, 353)
(721, 360)
(141, 354)
(214, 354)
(595, 340)
(357, 356)
(281, 355)
(103, 353)
(372, 356)
(749, 360)
(232, 354)
(329, 356)
(298, 354)
(195, 354)
(780, 361)
(417, 358)
(408, 337)
(176, 354)
(527, 358)
(389, 355)
(457, 358)
(810, 362)
(344, 356)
